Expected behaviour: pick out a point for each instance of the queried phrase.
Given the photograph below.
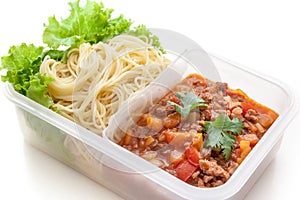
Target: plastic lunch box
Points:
(130, 176)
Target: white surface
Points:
(263, 35)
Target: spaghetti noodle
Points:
(98, 78)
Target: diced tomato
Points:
(174, 99)
(185, 170)
(246, 106)
(169, 136)
(192, 155)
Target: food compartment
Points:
(277, 98)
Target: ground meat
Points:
(232, 167)
(237, 111)
(251, 115)
(205, 153)
(212, 168)
(162, 111)
(218, 105)
(207, 178)
(217, 183)
(200, 183)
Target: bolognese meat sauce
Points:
(175, 133)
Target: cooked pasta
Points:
(98, 78)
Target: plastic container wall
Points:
(134, 178)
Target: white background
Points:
(260, 34)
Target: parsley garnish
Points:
(218, 133)
(189, 101)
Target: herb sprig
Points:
(218, 133)
(221, 133)
(189, 101)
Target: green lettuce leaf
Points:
(22, 70)
(21, 63)
(91, 23)
(141, 30)
(37, 89)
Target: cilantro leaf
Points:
(227, 142)
(218, 133)
(183, 111)
(189, 101)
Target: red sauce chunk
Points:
(178, 133)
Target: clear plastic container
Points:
(261, 89)
(129, 175)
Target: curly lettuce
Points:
(145, 34)
(91, 23)
(22, 71)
